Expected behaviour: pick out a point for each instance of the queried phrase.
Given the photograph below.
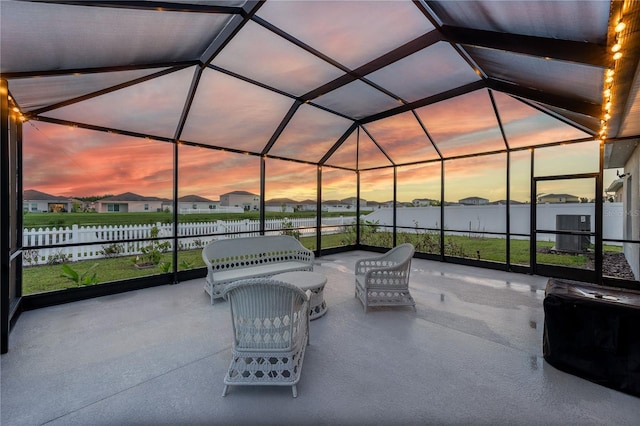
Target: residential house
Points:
(558, 198)
(196, 204)
(352, 201)
(616, 190)
(40, 202)
(473, 201)
(423, 202)
(307, 205)
(130, 202)
(504, 202)
(285, 205)
(244, 199)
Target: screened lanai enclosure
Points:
(497, 134)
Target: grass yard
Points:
(42, 220)
(37, 279)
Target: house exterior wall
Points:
(43, 206)
(113, 207)
(201, 206)
(631, 201)
(246, 201)
(558, 199)
(35, 206)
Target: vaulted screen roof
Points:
(351, 84)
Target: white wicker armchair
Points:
(270, 333)
(384, 280)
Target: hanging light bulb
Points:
(617, 56)
(620, 27)
(616, 47)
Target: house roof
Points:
(280, 201)
(240, 193)
(194, 199)
(615, 185)
(557, 196)
(34, 195)
(130, 196)
(472, 199)
(340, 73)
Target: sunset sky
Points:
(68, 161)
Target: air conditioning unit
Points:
(572, 222)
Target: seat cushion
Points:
(258, 271)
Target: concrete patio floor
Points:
(471, 353)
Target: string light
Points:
(617, 50)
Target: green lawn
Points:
(44, 278)
(41, 220)
(38, 279)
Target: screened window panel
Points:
(75, 37)
(210, 173)
(338, 184)
(40, 92)
(347, 154)
(587, 123)
(377, 186)
(474, 183)
(419, 185)
(564, 196)
(152, 107)
(67, 161)
(281, 174)
(569, 79)
(433, 70)
(402, 138)
(535, 18)
(369, 154)
(231, 113)
(526, 126)
(463, 125)
(357, 99)
(552, 161)
(352, 33)
(520, 191)
(310, 134)
(261, 55)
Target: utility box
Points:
(572, 222)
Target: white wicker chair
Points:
(384, 280)
(270, 333)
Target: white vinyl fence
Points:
(109, 239)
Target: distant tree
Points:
(92, 198)
(584, 200)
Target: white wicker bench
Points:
(235, 259)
